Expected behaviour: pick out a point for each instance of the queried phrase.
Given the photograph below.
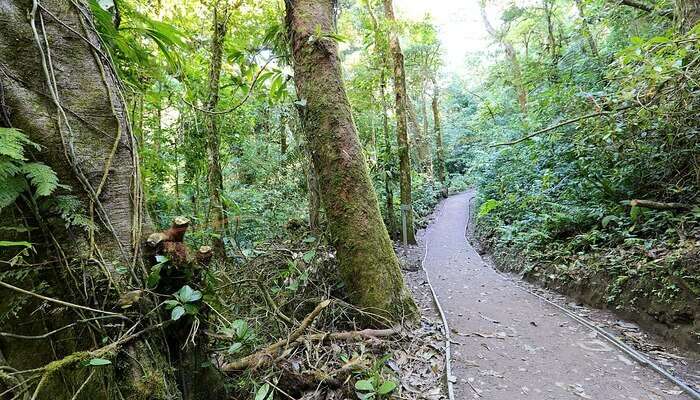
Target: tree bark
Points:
(424, 139)
(401, 100)
(386, 163)
(512, 56)
(217, 209)
(367, 263)
(61, 90)
(440, 151)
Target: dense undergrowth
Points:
(559, 207)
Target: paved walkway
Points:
(511, 345)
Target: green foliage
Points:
(17, 174)
(556, 199)
(184, 302)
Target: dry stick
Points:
(61, 302)
(267, 352)
(567, 122)
(266, 355)
(55, 331)
(657, 205)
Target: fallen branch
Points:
(567, 122)
(657, 205)
(266, 356)
(52, 300)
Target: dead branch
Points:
(657, 205)
(52, 300)
(267, 355)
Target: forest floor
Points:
(509, 344)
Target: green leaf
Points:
(170, 304)
(188, 295)
(154, 276)
(262, 392)
(234, 348)
(42, 177)
(96, 362)
(386, 387)
(6, 243)
(177, 313)
(191, 309)
(364, 385)
(309, 255)
(161, 259)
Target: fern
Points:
(42, 177)
(12, 143)
(68, 207)
(10, 188)
(16, 174)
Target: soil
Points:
(508, 344)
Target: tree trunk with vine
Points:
(217, 208)
(61, 90)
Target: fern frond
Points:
(11, 189)
(12, 143)
(8, 168)
(69, 207)
(42, 177)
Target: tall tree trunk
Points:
(424, 142)
(512, 56)
(368, 265)
(586, 29)
(217, 210)
(401, 129)
(61, 90)
(551, 38)
(386, 163)
(439, 149)
(283, 132)
(380, 50)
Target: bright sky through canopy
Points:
(459, 24)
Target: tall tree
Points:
(366, 257)
(439, 148)
(380, 50)
(59, 88)
(401, 104)
(217, 209)
(512, 58)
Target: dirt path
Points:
(509, 344)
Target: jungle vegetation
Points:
(186, 186)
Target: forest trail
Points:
(508, 344)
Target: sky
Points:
(459, 24)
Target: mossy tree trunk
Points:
(381, 54)
(424, 140)
(217, 210)
(61, 90)
(439, 147)
(386, 162)
(368, 265)
(401, 100)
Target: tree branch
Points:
(559, 125)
